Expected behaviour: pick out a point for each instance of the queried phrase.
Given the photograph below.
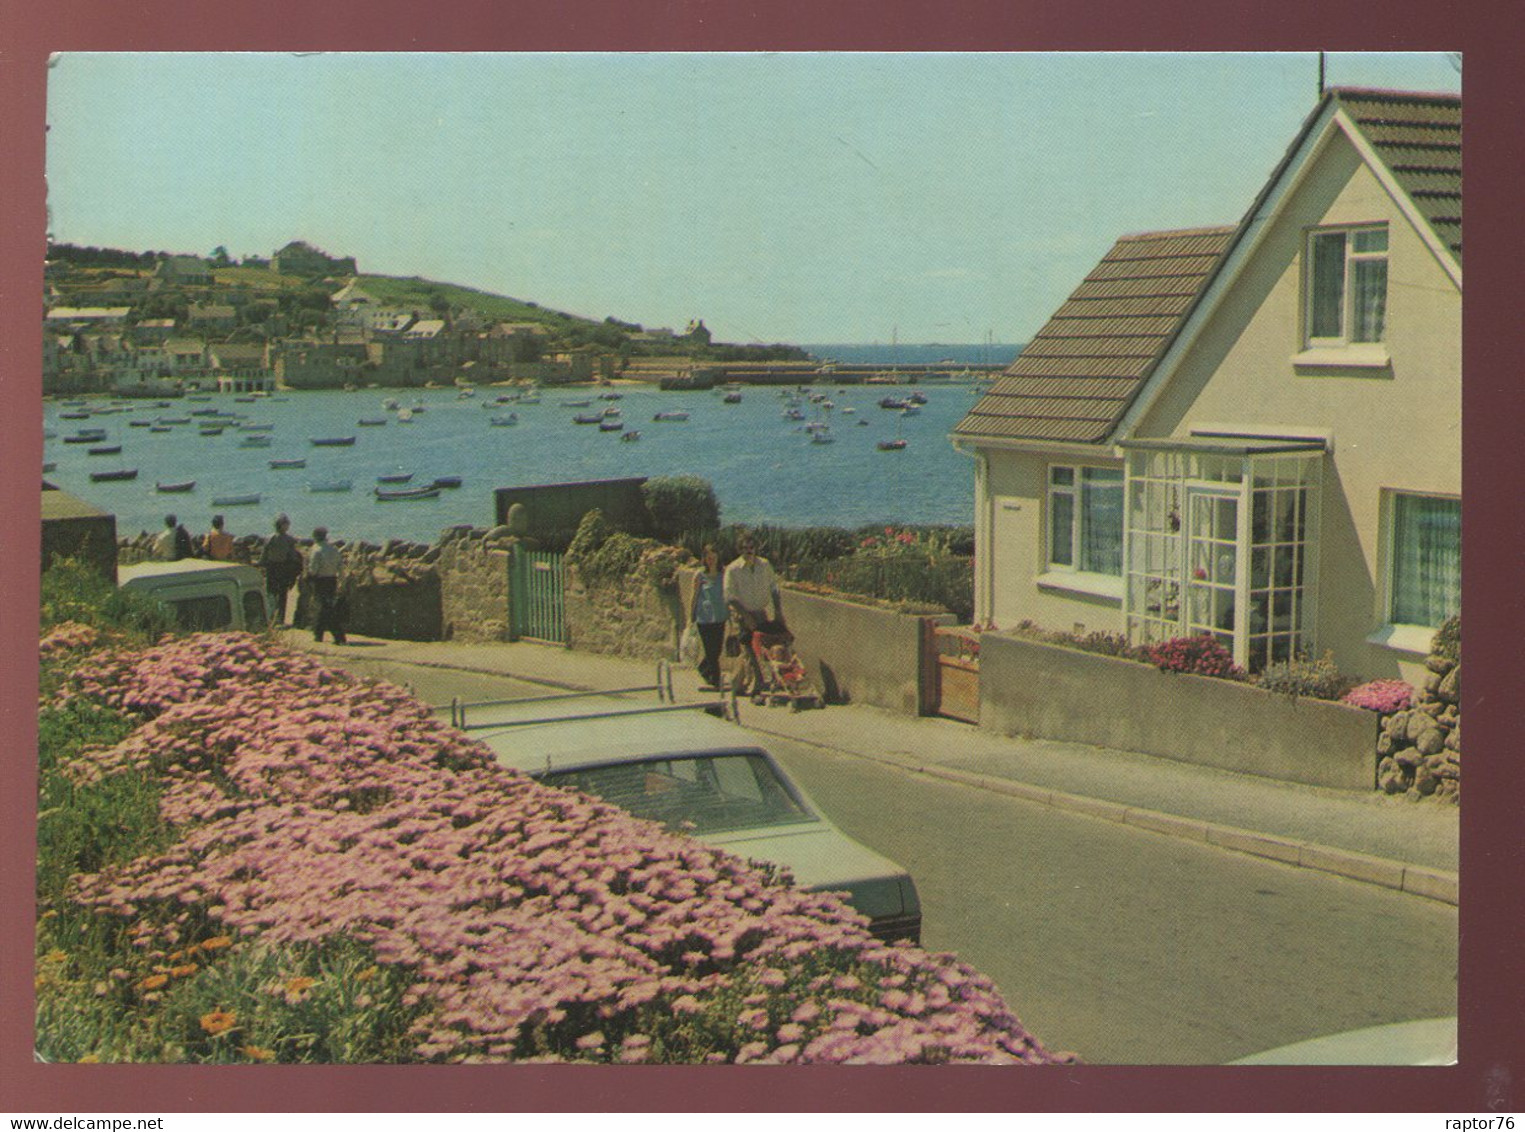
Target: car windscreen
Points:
(699, 794)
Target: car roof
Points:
(557, 735)
(185, 566)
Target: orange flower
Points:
(218, 1021)
(216, 943)
(367, 975)
(255, 1053)
(153, 982)
(299, 984)
(183, 971)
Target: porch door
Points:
(1213, 588)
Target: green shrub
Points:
(602, 554)
(1317, 679)
(679, 504)
(74, 591)
(1447, 640)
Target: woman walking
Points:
(708, 613)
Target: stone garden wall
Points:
(1420, 748)
(623, 617)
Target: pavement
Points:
(1364, 836)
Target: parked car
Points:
(1428, 1042)
(697, 774)
(203, 595)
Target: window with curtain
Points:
(1426, 560)
(1085, 512)
(1347, 285)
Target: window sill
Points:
(1373, 355)
(1091, 585)
(1414, 639)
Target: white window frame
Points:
(1055, 572)
(1347, 291)
(1401, 636)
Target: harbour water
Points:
(765, 467)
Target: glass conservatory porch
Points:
(1214, 527)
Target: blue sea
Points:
(764, 468)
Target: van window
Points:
(198, 614)
(254, 610)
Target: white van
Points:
(203, 595)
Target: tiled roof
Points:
(1418, 137)
(1077, 376)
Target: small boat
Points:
(504, 422)
(405, 416)
(184, 485)
(611, 426)
(671, 415)
(139, 424)
(892, 445)
(390, 404)
(633, 434)
(332, 441)
(848, 409)
(892, 403)
(917, 398)
(583, 404)
(174, 420)
(862, 421)
(296, 463)
(385, 496)
(205, 412)
(447, 481)
(160, 428)
(119, 474)
(256, 428)
(611, 396)
(254, 442)
(396, 477)
(86, 436)
(371, 422)
(248, 499)
(330, 485)
(201, 397)
(86, 416)
(732, 398)
(105, 450)
(211, 431)
(588, 418)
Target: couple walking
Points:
(743, 595)
(285, 566)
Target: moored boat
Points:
(611, 426)
(86, 436)
(296, 463)
(671, 415)
(633, 434)
(254, 442)
(447, 481)
(184, 485)
(330, 485)
(371, 422)
(332, 441)
(119, 474)
(385, 496)
(247, 499)
(504, 422)
(588, 418)
(217, 431)
(105, 450)
(892, 445)
(395, 477)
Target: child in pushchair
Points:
(780, 673)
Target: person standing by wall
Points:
(282, 562)
(708, 613)
(219, 544)
(324, 569)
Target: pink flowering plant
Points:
(333, 874)
(1383, 696)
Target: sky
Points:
(803, 198)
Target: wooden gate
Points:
(951, 665)
(537, 585)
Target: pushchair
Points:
(780, 676)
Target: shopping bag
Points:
(689, 646)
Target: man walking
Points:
(324, 568)
(751, 589)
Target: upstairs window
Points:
(1085, 518)
(1347, 285)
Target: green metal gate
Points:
(537, 583)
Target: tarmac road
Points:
(1123, 945)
